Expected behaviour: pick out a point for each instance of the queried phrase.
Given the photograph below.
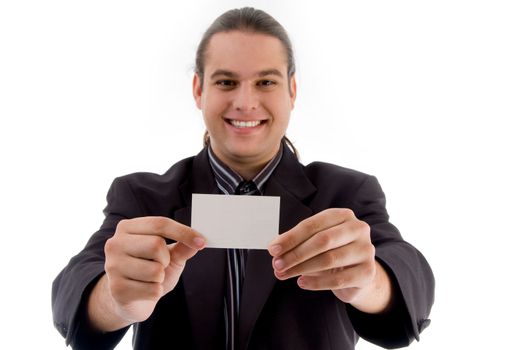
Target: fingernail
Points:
(199, 241)
(279, 264)
(301, 282)
(275, 249)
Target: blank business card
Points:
(247, 222)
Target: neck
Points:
(247, 169)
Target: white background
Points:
(427, 96)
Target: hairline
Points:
(261, 74)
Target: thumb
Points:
(179, 254)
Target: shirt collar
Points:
(227, 179)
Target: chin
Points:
(244, 154)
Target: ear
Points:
(197, 90)
(293, 90)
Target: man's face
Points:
(245, 97)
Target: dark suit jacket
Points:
(273, 314)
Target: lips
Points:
(243, 124)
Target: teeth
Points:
(245, 124)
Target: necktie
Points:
(247, 188)
(236, 273)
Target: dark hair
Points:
(246, 19)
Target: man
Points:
(338, 267)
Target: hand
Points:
(140, 269)
(332, 250)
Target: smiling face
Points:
(245, 98)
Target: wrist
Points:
(103, 313)
(377, 296)
(374, 298)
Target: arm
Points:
(85, 311)
(353, 253)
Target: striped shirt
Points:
(229, 182)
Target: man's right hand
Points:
(140, 269)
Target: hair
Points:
(251, 20)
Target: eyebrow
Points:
(272, 71)
(230, 74)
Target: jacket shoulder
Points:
(177, 173)
(153, 194)
(329, 175)
(341, 187)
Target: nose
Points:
(245, 98)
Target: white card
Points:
(248, 222)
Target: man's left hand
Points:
(332, 250)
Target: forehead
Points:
(245, 53)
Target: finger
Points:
(140, 270)
(141, 246)
(324, 241)
(165, 227)
(307, 228)
(336, 279)
(348, 255)
(179, 254)
(127, 291)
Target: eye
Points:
(266, 83)
(226, 84)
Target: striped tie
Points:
(236, 274)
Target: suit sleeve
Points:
(413, 281)
(73, 285)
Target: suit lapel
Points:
(204, 275)
(292, 186)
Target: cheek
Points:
(213, 106)
(214, 101)
(281, 111)
(213, 114)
